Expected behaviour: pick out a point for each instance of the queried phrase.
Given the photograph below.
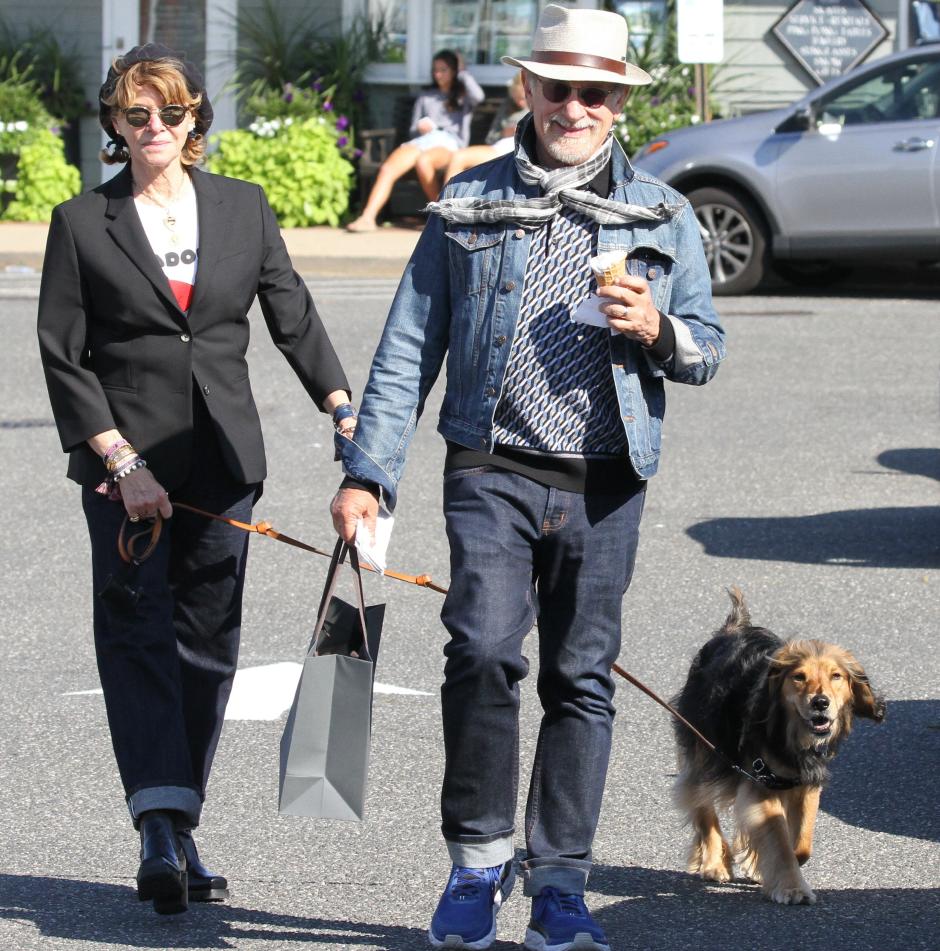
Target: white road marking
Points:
(266, 692)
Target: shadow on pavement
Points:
(922, 462)
(866, 538)
(885, 782)
(79, 911)
(667, 911)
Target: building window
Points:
(484, 30)
(392, 16)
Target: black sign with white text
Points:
(829, 37)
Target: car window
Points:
(903, 92)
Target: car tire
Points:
(735, 238)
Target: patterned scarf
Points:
(560, 186)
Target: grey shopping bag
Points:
(325, 746)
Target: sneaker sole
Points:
(534, 941)
(454, 941)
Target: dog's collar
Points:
(764, 776)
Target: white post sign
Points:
(700, 25)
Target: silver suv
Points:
(848, 174)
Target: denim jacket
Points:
(459, 299)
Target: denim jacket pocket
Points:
(473, 256)
(656, 267)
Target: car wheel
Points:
(735, 239)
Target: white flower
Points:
(21, 125)
(694, 119)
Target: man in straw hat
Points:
(552, 430)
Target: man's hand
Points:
(348, 506)
(631, 311)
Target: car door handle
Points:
(913, 145)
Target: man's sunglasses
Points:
(591, 96)
(139, 116)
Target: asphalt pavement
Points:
(806, 473)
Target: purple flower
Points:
(316, 85)
(288, 97)
(328, 107)
(654, 101)
(342, 141)
(342, 123)
(357, 153)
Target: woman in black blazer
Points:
(143, 331)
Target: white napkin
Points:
(372, 551)
(588, 313)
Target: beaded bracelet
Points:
(133, 467)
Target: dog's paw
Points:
(715, 873)
(792, 894)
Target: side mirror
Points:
(800, 121)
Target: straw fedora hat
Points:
(581, 46)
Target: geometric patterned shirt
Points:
(558, 393)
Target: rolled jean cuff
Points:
(569, 877)
(481, 851)
(181, 799)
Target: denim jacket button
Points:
(518, 233)
(651, 274)
(490, 391)
(500, 340)
(510, 286)
(472, 239)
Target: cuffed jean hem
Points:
(177, 798)
(568, 879)
(481, 854)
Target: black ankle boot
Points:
(203, 884)
(162, 873)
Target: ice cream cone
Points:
(608, 266)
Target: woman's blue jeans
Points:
(167, 663)
(523, 553)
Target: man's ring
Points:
(134, 518)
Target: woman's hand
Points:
(143, 496)
(425, 125)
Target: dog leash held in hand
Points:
(761, 775)
(267, 529)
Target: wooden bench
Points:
(377, 144)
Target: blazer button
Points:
(185, 338)
(205, 389)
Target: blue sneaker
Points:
(563, 923)
(466, 913)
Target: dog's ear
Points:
(865, 702)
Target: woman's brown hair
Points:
(166, 76)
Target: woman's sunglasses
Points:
(138, 116)
(591, 96)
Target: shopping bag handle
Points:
(339, 554)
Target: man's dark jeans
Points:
(167, 664)
(522, 552)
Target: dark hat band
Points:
(552, 58)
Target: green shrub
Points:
(668, 103)
(305, 177)
(44, 179)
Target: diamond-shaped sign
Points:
(829, 37)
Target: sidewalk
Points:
(316, 252)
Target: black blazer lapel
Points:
(128, 234)
(212, 232)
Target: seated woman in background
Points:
(440, 123)
(501, 138)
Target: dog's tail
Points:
(740, 617)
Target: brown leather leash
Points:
(762, 776)
(267, 529)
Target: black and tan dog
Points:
(779, 710)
